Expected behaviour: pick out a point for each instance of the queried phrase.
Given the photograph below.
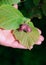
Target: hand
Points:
(7, 39)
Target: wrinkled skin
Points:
(7, 38)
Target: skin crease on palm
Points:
(7, 38)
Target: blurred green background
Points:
(36, 56)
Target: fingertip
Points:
(39, 31)
(41, 38)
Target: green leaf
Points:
(36, 2)
(27, 39)
(9, 1)
(29, 23)
(10, 18)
